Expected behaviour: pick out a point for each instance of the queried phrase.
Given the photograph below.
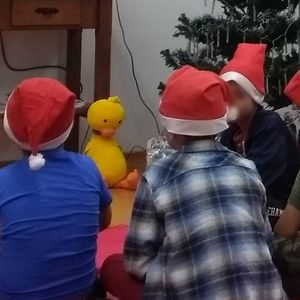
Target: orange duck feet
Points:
(130, 183)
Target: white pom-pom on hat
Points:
(36, 162)
(39, 116)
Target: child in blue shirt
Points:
(52, 203)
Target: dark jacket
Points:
(274, 151)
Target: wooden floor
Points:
(123, 199)
(121, 206)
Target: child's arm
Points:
(269, 151)
(105, 205)
(287, 242)
(146, 233)
(289, 223)
(105, 218)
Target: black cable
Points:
(132, 149)
(133, 68)
(127, 155)
(10, 67)
(84, 139)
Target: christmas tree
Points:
(211, 41)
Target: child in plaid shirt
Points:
(199, 228)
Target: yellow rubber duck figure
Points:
(105, 117)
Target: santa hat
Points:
(39, 116)
(195, 103)
(292, 91)
(247, 70)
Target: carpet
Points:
(110, 241)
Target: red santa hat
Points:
(39, 116)
(195, 103)
(247, 70)
(292, 90)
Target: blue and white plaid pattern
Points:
(199, 229)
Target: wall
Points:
(149, 26)
(26, 49)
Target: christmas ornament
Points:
(157, 148)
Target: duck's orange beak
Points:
(108, 132)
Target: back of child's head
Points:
(195, 103)
(39, 116)
(292, 90)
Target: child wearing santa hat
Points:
(287, 228)
(49, 201)
(198, 229)
(260, 135)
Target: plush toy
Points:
(105, 117)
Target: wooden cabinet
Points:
(73, 16)
(70, 14)
(46, 13)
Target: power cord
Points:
(127, 155)
(10, 67)
(84, 139)
(137, 87)
(133, 67)
(132, 150)
(15, 69)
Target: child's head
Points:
(292, 91)
(245, 105)
(246, 78)
(194, 106)
(39, 116)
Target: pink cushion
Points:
(111, 241)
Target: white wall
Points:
(149, 26)
(26, 49)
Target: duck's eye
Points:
(105, 121)
(120, 122)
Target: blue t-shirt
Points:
(49, 220)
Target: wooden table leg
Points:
(73, 80)
(103, 50)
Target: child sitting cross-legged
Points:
(199, 228)
(260, 135)
(52, 202)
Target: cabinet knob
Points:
(47, 12)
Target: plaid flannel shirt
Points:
(199, 229)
